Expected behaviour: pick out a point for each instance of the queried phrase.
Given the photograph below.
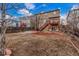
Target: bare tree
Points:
(72, 21)
(3, 30)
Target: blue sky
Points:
(23, 9)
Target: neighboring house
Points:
(73, 21)
(40, 20)
(24, 20)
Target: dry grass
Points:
(24, 44)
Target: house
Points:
(25, 20)
(73, 21)
(46, 21)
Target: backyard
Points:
(40, 44)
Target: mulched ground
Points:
(40, 44)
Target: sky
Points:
(28, 9)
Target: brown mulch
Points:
(40, 44)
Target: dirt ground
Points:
(34, 43)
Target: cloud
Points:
(63, 16)
(7, 17)
(44, 5)
(63, 20)
(14, 17)
(30, 6)
(75, 7)
(25, 12)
